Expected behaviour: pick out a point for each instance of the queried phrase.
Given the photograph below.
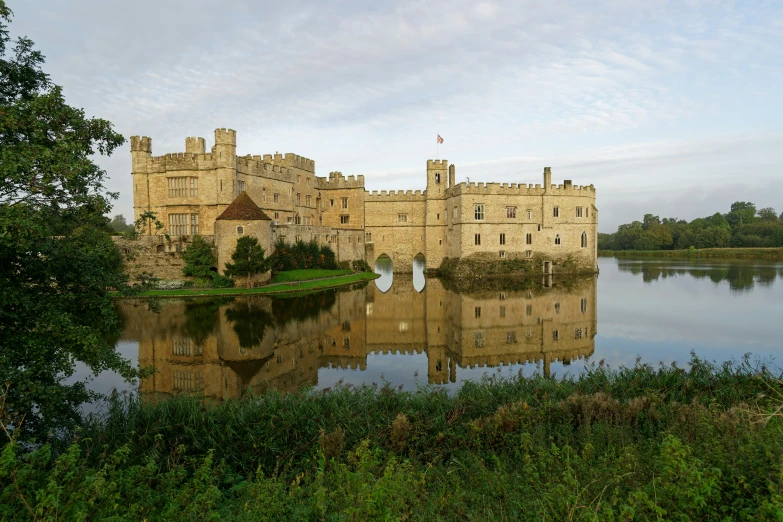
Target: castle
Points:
(225, 196)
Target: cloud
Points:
(637, 97)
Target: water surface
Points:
(408, 331)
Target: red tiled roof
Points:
(243, 209)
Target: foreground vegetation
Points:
(641, 443)
(307, 274)
(724, 253)
(742, 227)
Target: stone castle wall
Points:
(518, 220)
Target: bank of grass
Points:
(307, 274)
(725, 253)
(278, 288)
(641, 443)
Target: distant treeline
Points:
(742, 227)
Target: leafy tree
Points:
(742, 213)
(768, 214)
(119, 225)
(199, 258)
(248, 259)
(650, 221)
(58, 262)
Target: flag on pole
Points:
(440, 140)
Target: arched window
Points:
(584, 239)
(240, 230)
(557, 239)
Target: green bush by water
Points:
(634, 444)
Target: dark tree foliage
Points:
(199, 258)
(120, 226)
(741, 227)
(58, 262)
(248, 260)
(302, 255)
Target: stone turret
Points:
(195, 145)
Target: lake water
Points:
(408, 331)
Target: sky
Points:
(671, 108)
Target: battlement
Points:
(225, 137)
(437, 164)
(141, 144)
(336, 180)
(567, 189)
(392, 195)
(181, 161)
(195, 145)
(299, 162)
(258, 166)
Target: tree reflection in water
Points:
(742, 276)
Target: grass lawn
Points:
(307, 274)
(275, 288)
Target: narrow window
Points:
(478, 339)
(511, 212)
(556, 211)
(502, 296)
(478, 212)
(194, 224)
(277, 216)
(369, 237)
(298, 199)
(240, 230)
(584, 239)
(557, 308)
(345, 202)
(502, 311)
(437, 177)
(539, 228)
(477, 311)
(578, 211)
(331, 203)
(502, 239)
(556, 335)
(530, 214)
(529, 310)
(440, 241)
(528, 238)
(528, 253)
(276, 198)
(587, 211)
(577, 333)
(557, 239)
(299, 179)
(240, 186)
(437, 216)
(402, 218)
(502, 254)
(455, 213)
(344, 219)
(477, 239)
(511, 337)
(583, 305)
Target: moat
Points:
(409, 331)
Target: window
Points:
(529, 310)
(240, 186)
(184, 346)
(502, 311)
(188, 381)
(178, 224)
(264, 195)
(307, 200)
(276, 198)
(240, 230)
(277, 216)
(477, 239)
(529, 295)
(182, 187)
(344, 219)
(334, 238)
(556, 211)
(437, 216)
(528, 238)
(529, 333)
(530, 214)
(298, 219)
(402, 326)
(502, 296)
(437, 177)
(298, 179)
(331, 202)
(402, 218)
(297, 238)
(556, 335)
(511, 337)
(578, 211)
(478, 212)
(539, 228)
(307, 181)
(584, 239)
(194, 224)
(346, 343)
(289, 219)
(298, 199)
(557, 239)
(577, 333)
(511, 212)
(477, 312)
(557, 308)
(528, 253)
(455, 213)
(283, 238)
(583, 305)
(502, 239)
(478, 339)
(369, 237)
(345, 202)
(587, 211)
(502, 254)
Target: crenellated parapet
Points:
(141, 144)
(336, 180)
(392, 195)
(257, 166)
(225, 137)
(300, 162)
(521, 189)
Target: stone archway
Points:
(419, 266)
(385, 267)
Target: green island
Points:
(639, 443)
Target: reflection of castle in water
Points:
(222, 348)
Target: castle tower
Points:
(141, 151)
(435, 213)
(195, 145)
(225, 155)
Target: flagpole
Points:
(437, 148)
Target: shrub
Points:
(301, 255)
